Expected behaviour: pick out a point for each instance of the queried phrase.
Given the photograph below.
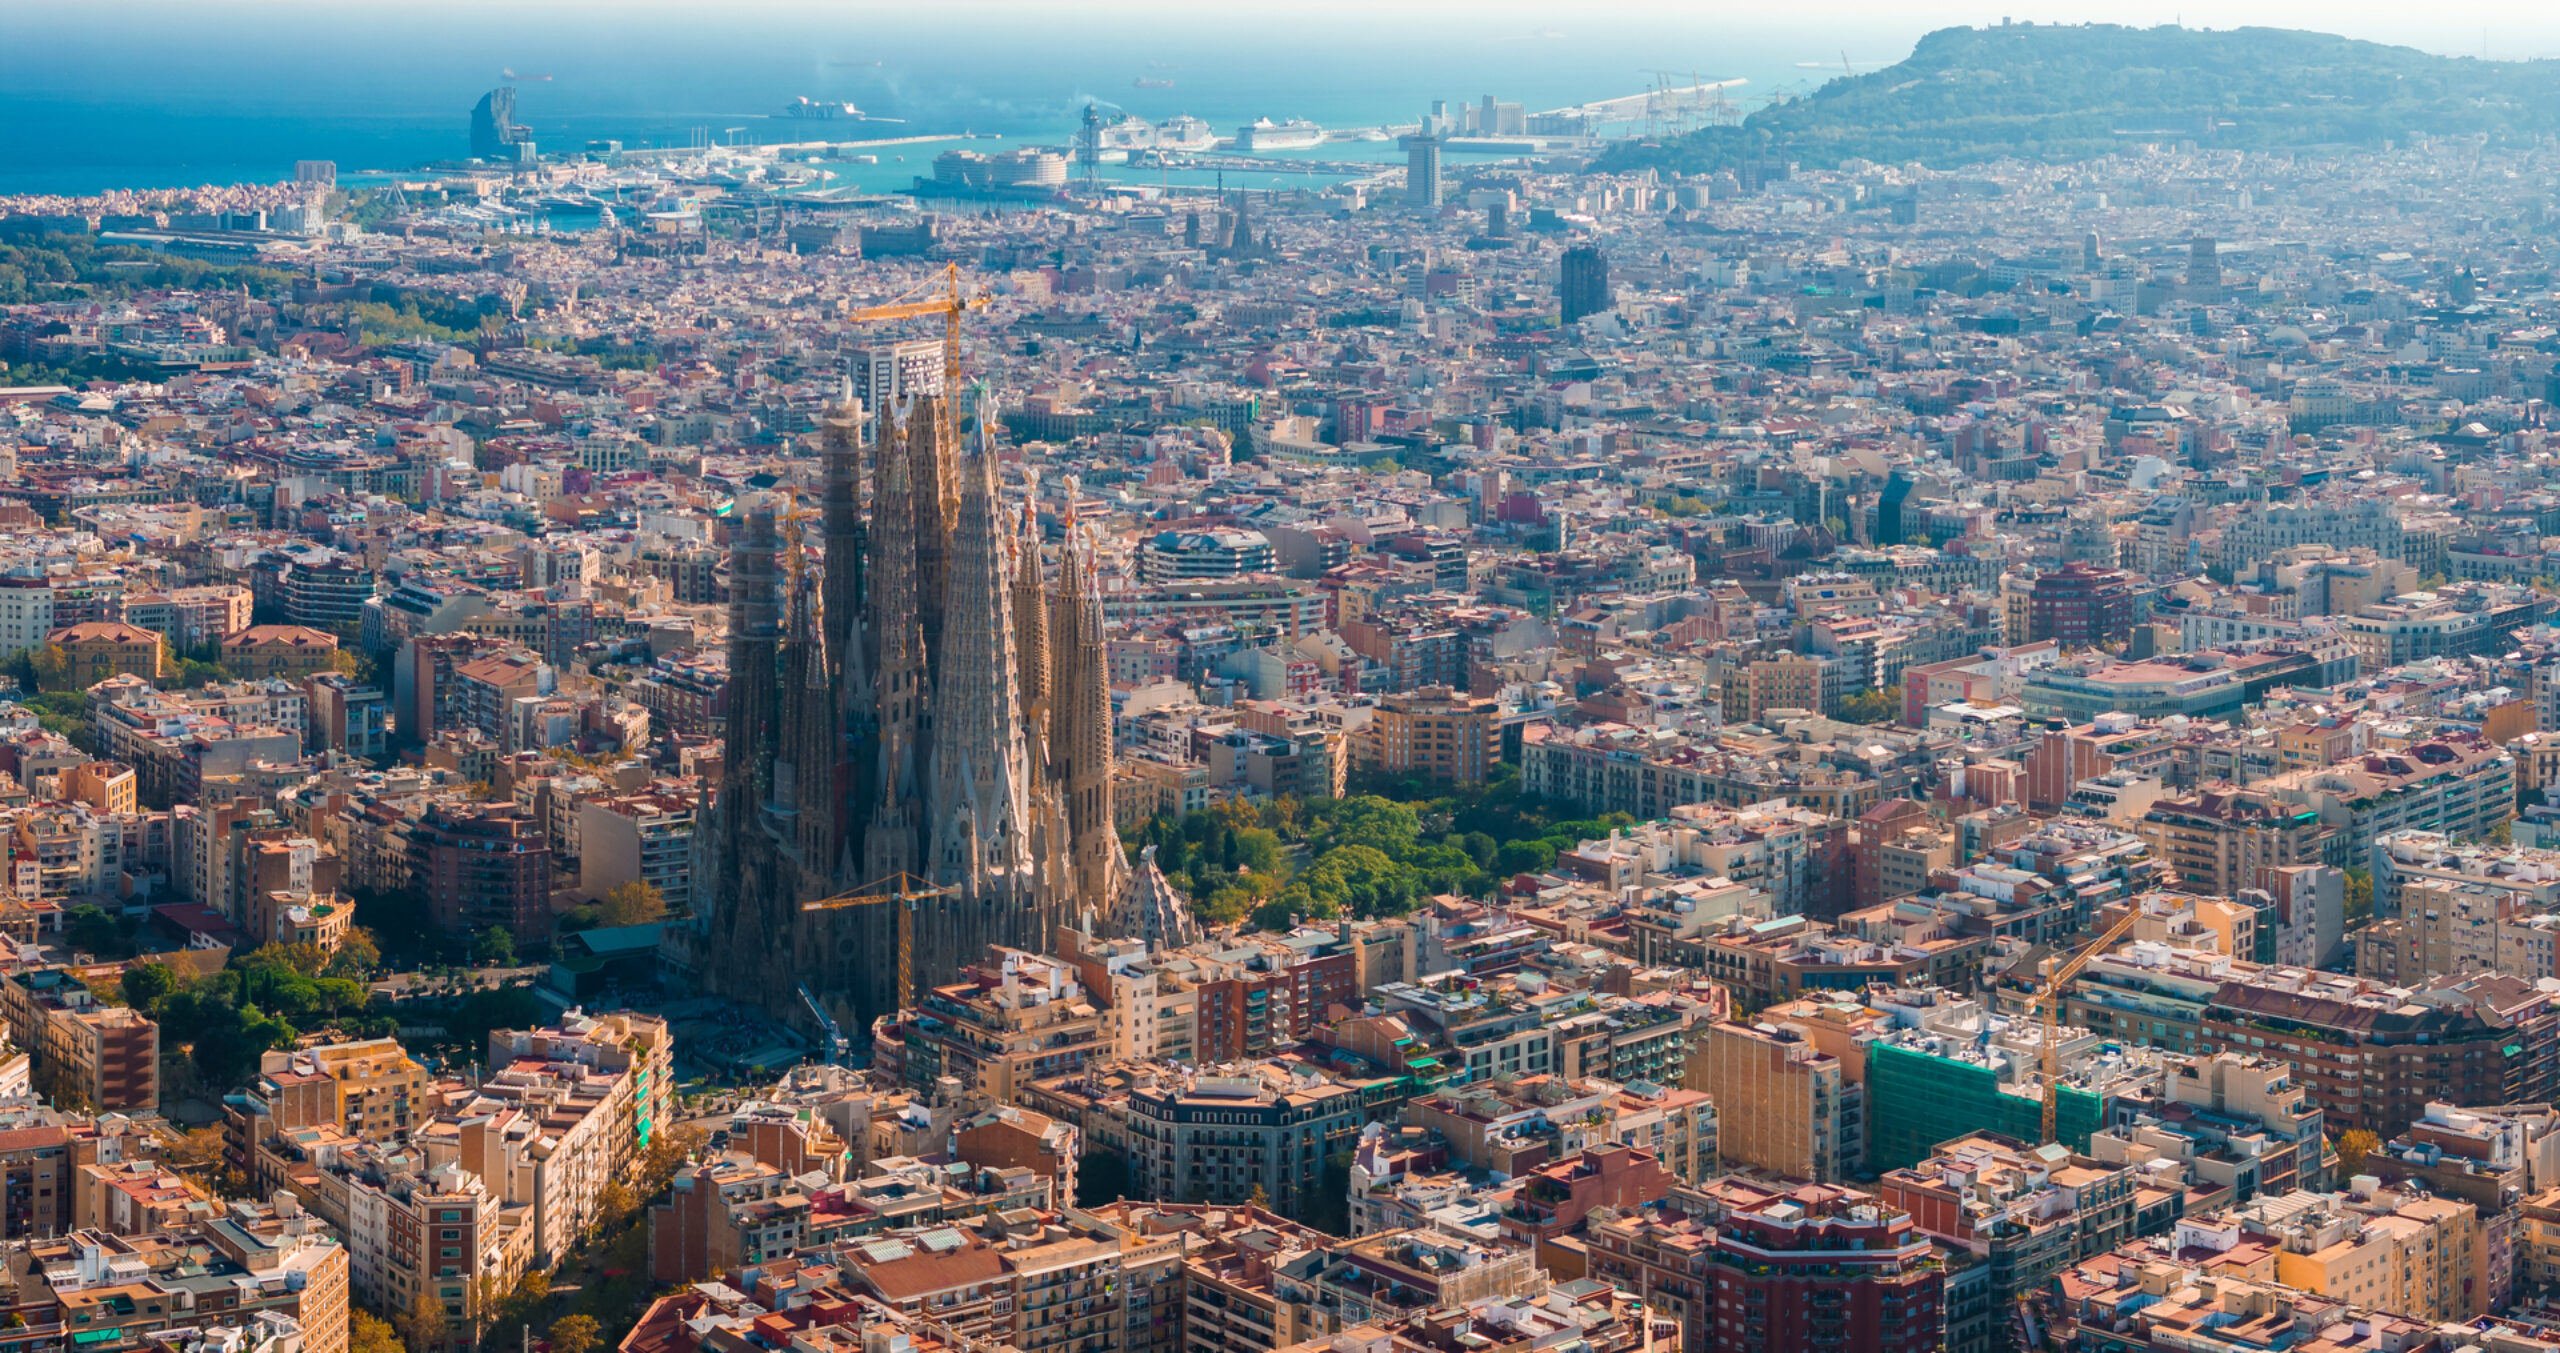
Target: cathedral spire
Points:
(981, 766)
(932, 502)
(893, 841)
(1080, 721)
(1031, 624)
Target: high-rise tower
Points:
(1583, 283)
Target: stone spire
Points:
(1080, 719)
(840, 438)
(1031, 629)
(930, 474)
(755, 633)
(894, 840)
(814, 733)
(1051, 848)
(1149, 909)
(980, 808)
(853, 773)
(752, 913)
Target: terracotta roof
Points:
(103, 631)
(284, 636)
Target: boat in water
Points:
(1185, 133)
(829, 110)
(1129, 133)
(1264, 134)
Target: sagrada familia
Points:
(912, 695)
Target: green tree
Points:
(199, 1150)
(1381, 824)
(143, 987)
(357, 955)
(495, 946)
(1870, 707)
(91, 930)
(667, 1153)
(2359, 896)
(1102, 1177)
(1524, 857)
(52, 667)
(423, 1326)
(575, 1334)
(365, 1334)
(635, 903)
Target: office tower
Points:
(885, 376)
(1584, 286)
(2089, 251)
(2204, 269)
(1889, 527)
(1422, 186)
(495, 134)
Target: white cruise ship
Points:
(1264, 134)
(1186, 133)
(1129, 133)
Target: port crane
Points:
(902, 893)
(2048, 1001)
(951, 305)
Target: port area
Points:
(825, 147)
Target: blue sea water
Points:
(110, 94)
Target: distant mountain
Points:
(2047, 92)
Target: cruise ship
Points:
(1264, 134)
(1185, 133)
(1129, 133)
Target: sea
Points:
(107, 95)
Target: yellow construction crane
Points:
(951, 306)
(2049, 1000)
(903, 891)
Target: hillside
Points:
(2064, 93)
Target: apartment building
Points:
(1435, 733)
(1216, 1136)
(2025, 1212)
(637, 838)
(246, 1264)
(2219, 842)
(1017, 1018)
(85, 1052)
(1786, 1103)
(1744, 1264)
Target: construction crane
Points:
(2049, 1000)
(951, 305)
(826, 1022)
(901, 892)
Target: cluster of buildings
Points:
(2059, 662)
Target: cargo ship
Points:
(1264, 134)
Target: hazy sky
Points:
(2511, 28)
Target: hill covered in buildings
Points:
(2048, 92)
